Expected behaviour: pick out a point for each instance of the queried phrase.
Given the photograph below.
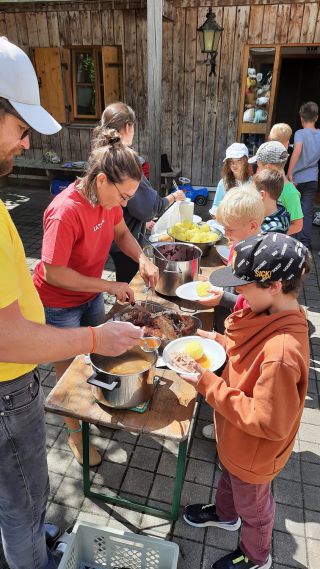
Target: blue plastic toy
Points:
(197, 195)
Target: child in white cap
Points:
(234, 172)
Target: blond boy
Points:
(281, 132)
(241, 213)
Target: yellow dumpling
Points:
(205, 228)
(202, 289)
(186, 224)
(194, 349)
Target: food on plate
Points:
(164, 238)
(182, 361)
(202, 289)
(194, 232)
(194, 349)
(185, 361)
(166, 324)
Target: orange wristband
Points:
(94, 340)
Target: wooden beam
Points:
(221, 3)
(168, 11)
(154, 48)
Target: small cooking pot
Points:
(122, 391)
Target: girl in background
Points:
(234, 172)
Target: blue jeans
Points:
(24, 482)
(90, 313)
(307, 191)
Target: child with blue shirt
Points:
(303, 168)
(234, 172)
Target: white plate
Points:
(223, 252)
(211, 348)
(213, 224)
(196, 219)
(188, 291)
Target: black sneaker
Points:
(238, 560)
(204, 515)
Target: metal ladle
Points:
(150, 343)
(168, 263)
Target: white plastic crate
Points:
(96, 547)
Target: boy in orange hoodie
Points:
(258, 400)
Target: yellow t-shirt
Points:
(16, 284)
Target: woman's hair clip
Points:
(114, 140)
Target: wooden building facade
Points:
(201, 115)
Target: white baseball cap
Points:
(19, 85)
(236, 150)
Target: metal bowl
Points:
(156, 307)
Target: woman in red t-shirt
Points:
(79, 226)
(147, 203)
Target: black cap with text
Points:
(270, 257)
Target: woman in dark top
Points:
(146, 203)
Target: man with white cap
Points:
(274, 155)
(25, 339)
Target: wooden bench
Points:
(23, 165)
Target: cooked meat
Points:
(182, 361)
(167, 324)
(188, 325)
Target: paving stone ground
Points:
(146, 467)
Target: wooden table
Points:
(168, 416)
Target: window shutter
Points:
(112, 74)
(52, 94)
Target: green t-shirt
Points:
(290, 199)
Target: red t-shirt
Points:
(76, 235)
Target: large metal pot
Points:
(182, 265)
(122, 391)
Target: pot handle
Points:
(94, 381)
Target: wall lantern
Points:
(209, 36)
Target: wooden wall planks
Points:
(199, 113)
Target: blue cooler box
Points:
(57, 186)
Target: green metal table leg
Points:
(85, 466)
(181, 462)
(133, 505)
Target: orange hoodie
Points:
(259, 399)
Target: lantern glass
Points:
(208, 40)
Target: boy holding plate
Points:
(258, 400)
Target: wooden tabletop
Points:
(169, 414)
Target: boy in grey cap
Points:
(273, 154)
(25, 339)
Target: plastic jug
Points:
(186, 210)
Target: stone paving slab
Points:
(147, 466)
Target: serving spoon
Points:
(150, 343)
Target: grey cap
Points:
(272, 152)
